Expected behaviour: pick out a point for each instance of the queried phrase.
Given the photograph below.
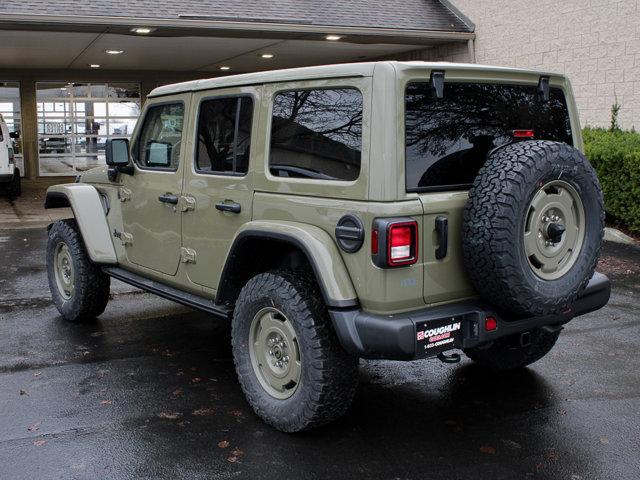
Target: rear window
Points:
(317, 134)
(447, 139)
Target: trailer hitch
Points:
(449, 358)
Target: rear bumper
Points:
(394, 336)
(6, 177)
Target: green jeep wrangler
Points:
(375, 210)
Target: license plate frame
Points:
(436, 336)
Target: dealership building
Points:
(73, 74)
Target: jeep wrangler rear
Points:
(375, 210)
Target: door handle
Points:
(168, 198)
(228, 207)
(442, 231)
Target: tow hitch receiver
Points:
(449, 358)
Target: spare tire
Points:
(532, 227)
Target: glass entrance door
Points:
(76, 119)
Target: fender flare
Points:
(319, 248)
(89, 213)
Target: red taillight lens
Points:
(490, 324)
(523, 133)
(402, 243)
(374, 242)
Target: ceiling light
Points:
(267, 55)
(333, 38)
(94, 65)
(224, 67)
(142, 30)
(114, 52)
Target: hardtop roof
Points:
(364, 69)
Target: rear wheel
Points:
(291, 367)
(515, 351)
(15, 188)
(79, 288)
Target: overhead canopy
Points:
(190, 35)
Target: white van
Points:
(9, 172)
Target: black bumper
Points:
(394, 336)
(6, 177)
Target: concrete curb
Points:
(613, 235)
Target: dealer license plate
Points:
(435, 336)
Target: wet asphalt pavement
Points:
(149, 391)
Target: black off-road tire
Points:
(494, 221)
(91, 285)
(507, 353)
(14, 190)
(329, 375)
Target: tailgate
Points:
(444, 279)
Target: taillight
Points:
(394, 242)
(523, 134)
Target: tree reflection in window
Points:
(448, 139)
(317, 134)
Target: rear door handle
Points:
(169, 198)
(442, 231)
(228, 207)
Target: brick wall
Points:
(595, 42)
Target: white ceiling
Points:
(74, 50)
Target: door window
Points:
(158, 145)
(317, 134)
(224, 135)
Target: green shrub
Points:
(616, 157)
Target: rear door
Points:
(447, 141)
(150, 197)
(218, 190)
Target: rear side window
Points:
(160, 138)
(224, 135)
(317, 134)
(448, 139)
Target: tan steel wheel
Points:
(63, 265)
(554, 230)
(274, 352)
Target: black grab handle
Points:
(228, 207)
(442, 230)
(168, 198)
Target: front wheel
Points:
(291, 367)
(79, 288)
(515, 351)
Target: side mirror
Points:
(14, 135)
(158, 154)
(117, 152)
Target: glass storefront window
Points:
(76, 119)
(10, 110)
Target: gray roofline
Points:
(230, 25)
(458, 13)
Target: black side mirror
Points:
(14, 134)
(117, 153)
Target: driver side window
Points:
(158, 145)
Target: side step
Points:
(171, 293)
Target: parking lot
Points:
(149, 390)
